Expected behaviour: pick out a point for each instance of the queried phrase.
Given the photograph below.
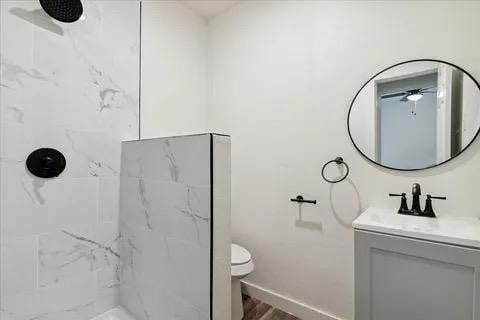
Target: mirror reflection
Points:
(415, 115)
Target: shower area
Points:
(132, 228)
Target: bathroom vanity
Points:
(416, 268)
(414, 265)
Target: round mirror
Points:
(415, 115)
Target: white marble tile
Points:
(109, 199)
(176, 210)
(88, 153)
(145, 277)
(73, 87)
(134, 204)
(191, 267)
(169, 159)
(165, 227)
(67, 254)
(38, 206)
(108, 283)
(117, 313)
(18, 264)
(222, 235)
(68, 69)
(185, 311)
(71, 300)
(191, 217)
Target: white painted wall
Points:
(282, 76)
(174, 63)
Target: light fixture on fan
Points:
(415, 96)
(412, 95)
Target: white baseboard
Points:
(286, 304)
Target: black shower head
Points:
(63, 10)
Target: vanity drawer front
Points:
(399, 278)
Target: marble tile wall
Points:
(73, 87)
(222, 228)
(165, 222)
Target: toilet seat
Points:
(241, 261)
(240, 255)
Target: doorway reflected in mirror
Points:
(415, 115)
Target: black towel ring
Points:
(338, 160)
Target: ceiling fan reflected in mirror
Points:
(413, 95)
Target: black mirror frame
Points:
(393, 66)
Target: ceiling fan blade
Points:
(393, 95)
(426, 89)
(404, 99)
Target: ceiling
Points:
(209, 8)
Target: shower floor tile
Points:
(114, 314)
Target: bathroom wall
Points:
(174, 211)
(282, 76)
(74, 88)
(174, 68)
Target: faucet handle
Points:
(397, 194)
(428, 212)
(438, 198)
(403, 205)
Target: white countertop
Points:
(457, 231)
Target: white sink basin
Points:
(457, 231)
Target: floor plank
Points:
(257, 310)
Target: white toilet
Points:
(242, 265)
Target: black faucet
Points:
(416, 210)
(416, 192)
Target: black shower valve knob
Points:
(46, 163)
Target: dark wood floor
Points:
(258, 310)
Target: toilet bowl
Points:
(242, 265)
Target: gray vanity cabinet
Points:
(399, 278)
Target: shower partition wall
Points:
(174, 223)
